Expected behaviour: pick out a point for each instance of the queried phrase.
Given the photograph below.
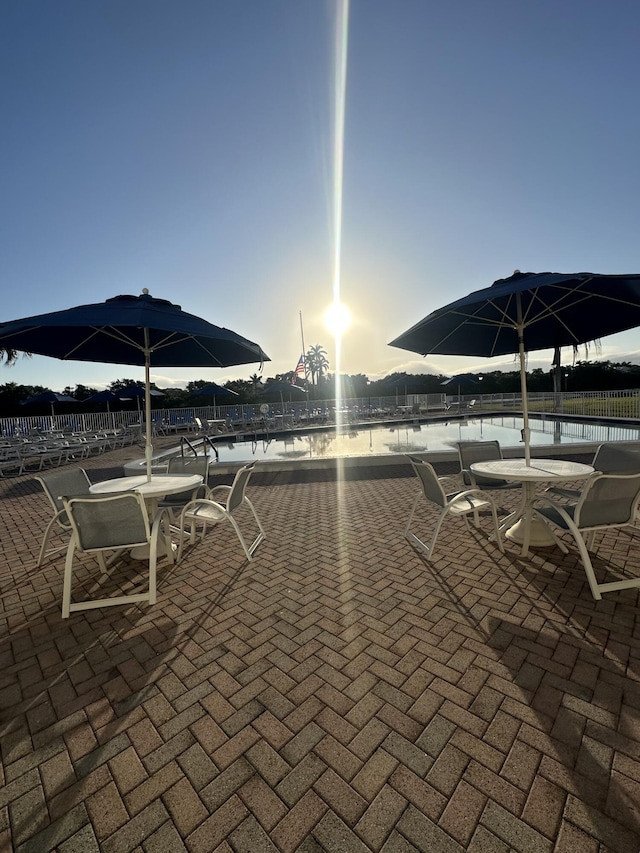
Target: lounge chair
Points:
(607, 501)
(460, 503)
(222, 503)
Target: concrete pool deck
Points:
(338, 693)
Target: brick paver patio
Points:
(338, 693)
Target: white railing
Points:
(594, 404)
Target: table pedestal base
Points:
(141, 552)
(539, 533)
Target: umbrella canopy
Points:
(137, 392)
(134, 330)
(105, 396)
(527, 312)
(213, 390)
(463, 380)
(407, 380)
(49, 397)
(281, 389)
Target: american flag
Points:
(299, 371)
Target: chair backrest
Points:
(477, 451)
(239, 487)
(189, 465)
(108, 521)
(608, 499)
(431, 486)
(69, 482)
(617, 458)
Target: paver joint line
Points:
(337, 693)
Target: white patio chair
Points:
(70, 482)
(481, 451)
(607, 501)
(102, 523)
(460, 503)
(221, 503)
(609, 458)
(186, 465)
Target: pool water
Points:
(410, 437)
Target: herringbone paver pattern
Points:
(337, 694)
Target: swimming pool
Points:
(412, 437)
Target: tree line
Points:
(320, 384)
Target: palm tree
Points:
(317, 362)
(9, 356)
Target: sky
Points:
(190, 148)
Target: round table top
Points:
(160, 484)
(539, 469)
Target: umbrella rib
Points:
(168, 341)
(550, 310)
(109, 332)
(172, 339)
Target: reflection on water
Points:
(412, 437)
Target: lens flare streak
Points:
(340, 89)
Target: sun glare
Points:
(337, 319)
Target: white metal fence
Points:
(594, 404)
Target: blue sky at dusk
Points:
(187, 147)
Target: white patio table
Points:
(151, 490)
(524, 526)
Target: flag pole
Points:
(304, 351)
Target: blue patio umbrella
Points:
(462, 380)
(527, 312)
(137, 393)
(399, 381)
(105, 396)
(281, 389)
(49, 397)
(131, 330)
(213, 390)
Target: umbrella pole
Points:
(148, 450)
(526, 432)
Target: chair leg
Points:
(45, 540)
(588, 566)
(66, 584)
(168, 543)
(496, 527)
(427, 549)
(436, 531)
(153, 553)
(413, 509)
(247, 551)
(261, 535)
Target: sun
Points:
(337, 319)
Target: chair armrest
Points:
(220, 489)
